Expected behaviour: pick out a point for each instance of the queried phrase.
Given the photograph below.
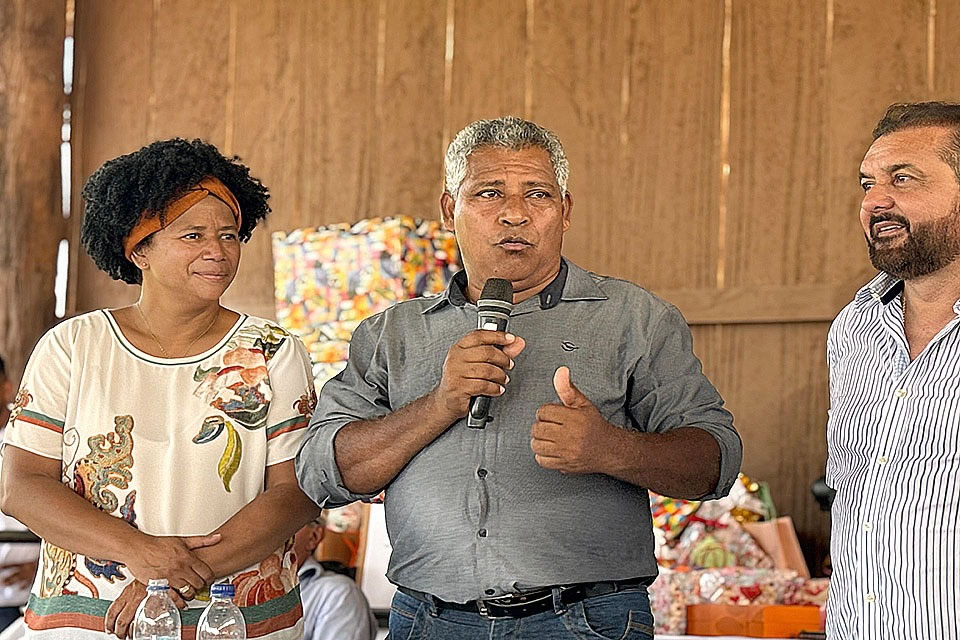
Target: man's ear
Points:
(567, 208)
(447, 205)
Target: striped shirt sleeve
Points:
(40, 408)
(833, 349)
(294, 399)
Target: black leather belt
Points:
(529, 603)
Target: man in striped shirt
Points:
(894, 427)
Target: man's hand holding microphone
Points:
(475, 369)
(570, 436)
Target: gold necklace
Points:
(192, 342)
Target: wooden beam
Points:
(31, 221)
(763, 304)
(752, 304)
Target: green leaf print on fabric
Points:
(202, 373)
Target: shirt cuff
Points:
(731, 455)
(317, 470)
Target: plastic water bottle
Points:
(221, 620)
(157, 617)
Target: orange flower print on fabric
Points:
(23, 399)
(307, 403)
(252, 370)
(240, 386)
(274, 577)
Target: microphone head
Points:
(496, 299)
(497, 289)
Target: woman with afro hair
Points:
(158, 440)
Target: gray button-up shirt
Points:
(473, 515)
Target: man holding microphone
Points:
(535, 523)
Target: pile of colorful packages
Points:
(732, 551)
(328, 279)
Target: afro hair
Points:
(142, 183)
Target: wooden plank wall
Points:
(31, 212)
(714, 147)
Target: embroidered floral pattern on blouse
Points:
(275, 576)
(107, 466)
(240, 389)
(23, 399)
(307, 403)
(230, 460)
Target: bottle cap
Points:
(223, 590)
(158, 584)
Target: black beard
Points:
(929, 247)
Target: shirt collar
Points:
(571, 283)
(310, 568)
(884, 288)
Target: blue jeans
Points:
(624, 615)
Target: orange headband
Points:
(209, 186)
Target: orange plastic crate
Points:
(756, 621)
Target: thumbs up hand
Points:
(569, 395)
(571, 437)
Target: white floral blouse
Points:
(175, 447)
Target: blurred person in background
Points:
(334, 607)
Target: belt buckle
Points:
(510, 606)
(485, 612)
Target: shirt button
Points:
(871, 598)
(868, 526)
(482, 533)
(482, 473)
(883, 460)
(489, 592)
(901, 393)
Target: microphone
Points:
(493, 312)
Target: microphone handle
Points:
(478, 416)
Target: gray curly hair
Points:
(509, 132)
(320, 520)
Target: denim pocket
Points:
(406, 617)
(617, 616)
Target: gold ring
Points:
(184, 590)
